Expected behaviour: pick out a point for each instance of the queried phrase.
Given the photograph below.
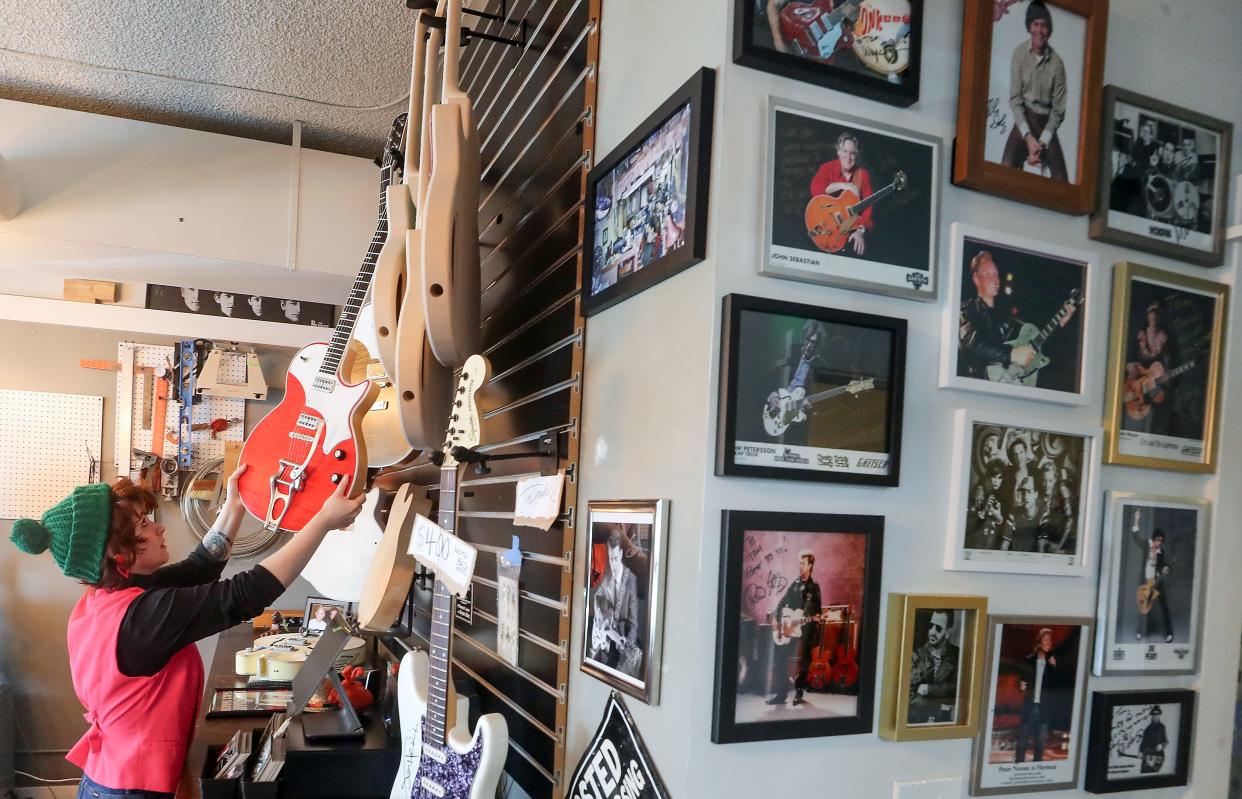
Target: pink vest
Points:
(140, 726)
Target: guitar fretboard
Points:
(436, 728)
(862, 205)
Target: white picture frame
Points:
(1078, 563)
(962, 235)
(1115, 653)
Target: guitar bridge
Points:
(290, 476)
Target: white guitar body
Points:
(338, 569)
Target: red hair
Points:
(121, 549)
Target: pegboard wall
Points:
(47, 442)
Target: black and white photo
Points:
(624, 595)
(1152, 585)
(851, 202)
(1017, 325)
(810, 393)
(1139, 740)
(186, 299)
(935, 666)
(1164, 178)
(1024, 500)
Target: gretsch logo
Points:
(869, 19)
(917, 279)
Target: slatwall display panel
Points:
(535, 109)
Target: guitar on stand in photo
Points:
(312, 440)
(1031, 336)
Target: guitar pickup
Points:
(324, 385)
(431, 786)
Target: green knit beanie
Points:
(76, 530)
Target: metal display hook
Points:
(432, 21)
(548, 451)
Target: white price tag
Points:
(447, 555)
(539, 500)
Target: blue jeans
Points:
(89, 789)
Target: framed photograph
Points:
(185, 299)
(649, 197)
(248, 701)
(810, 393)
(1017, 320)
(624, 591)
(850, 202)
(797, 626)
(1166, 347)
(1023, 501)
(1164, 178)
(871, 48)
(933, 662)
(1139, 740)
(1152, 585)
(1030, 733)
(321, 611)
(1028, 103)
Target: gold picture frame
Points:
(1180, 303)
(900, 644)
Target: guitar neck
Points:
(829, 394)
(1053, 325)
(1172, 373)
(435, 728)
(862, 205)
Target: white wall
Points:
(652, 373)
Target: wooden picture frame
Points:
(1141, 205)
(861, 355)
(679, 135)
(1192, 314)
(958, 719)
(839, 700)
(646, 557)
(981, 110)
(1036, 280)
(861, 67)
(1120, 721)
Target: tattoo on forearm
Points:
(217, 544)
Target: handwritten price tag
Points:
(447, 555)
(539, 500)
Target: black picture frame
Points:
(698, 94)
(735, 525)
(748, 53)
(731, 369)
(1103, 705)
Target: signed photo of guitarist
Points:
(1143, 740)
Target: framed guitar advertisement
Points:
(810, 393)
(1166, 348)
(1018, 319)
(1152, 585)
(797, 625)
(850, 202)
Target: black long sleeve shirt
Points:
(185, 602)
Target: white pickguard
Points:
(338, 569)
(337, 406)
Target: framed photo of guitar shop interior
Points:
(1023, 497)
(1017, 323)
(1164, 179)
(1139, 740)
(797, 626)
(810, 393)
(1152, 584)
(647, 199)
(870, 48)
(850, 202)
(624, 592)
(1029, 100)
(1162, 399)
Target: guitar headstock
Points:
(464, 422)
(392, 144)
(899, 181)
(858, 386)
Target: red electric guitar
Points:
(313, 439)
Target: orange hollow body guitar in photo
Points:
(831, 217)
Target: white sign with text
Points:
(444, 553)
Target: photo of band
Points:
(1035, 88)
(1025, 494)
(640, 205)
(798, 633)
(1020, 322)
(1143, 741)
(1031, 734)
(935, 667)
(619, 595)
(1164, 179)
(185, 299)
(851, 202)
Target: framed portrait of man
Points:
(797, 626)
(934, 662)
(850, 202)
(1164, 178)
(1152, 584)
(1139, 740)
(809, 393)
(1023, 498)
(1018, 323)
(1162, 398)
(624, 593)
(1029, 99)
(1030, 735)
